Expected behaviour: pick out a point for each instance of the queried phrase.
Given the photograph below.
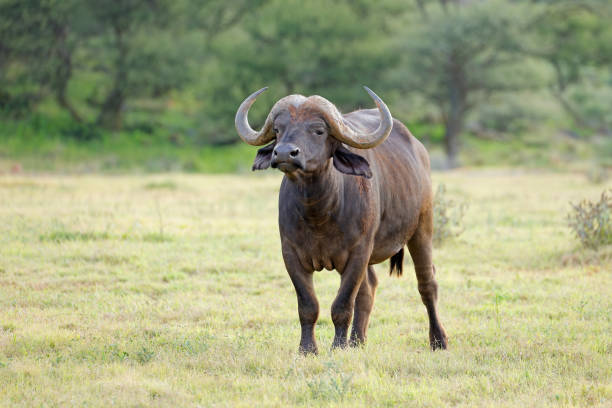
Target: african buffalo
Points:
(356, 190)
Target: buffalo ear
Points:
(263, 157)
(351, 163)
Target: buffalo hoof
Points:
(308, 349)
(356, 342)
(438, 340)
(339, 344)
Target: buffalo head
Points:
(306, 132)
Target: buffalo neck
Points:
(319, 195)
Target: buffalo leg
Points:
(342, 307)
(420, 247)
(308, 305)
(363, 307)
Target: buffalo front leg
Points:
(342, 309)
(308, 306)
(420, 247)
(363, 307)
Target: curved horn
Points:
(245, 131)
(262, 137)
(350, 134)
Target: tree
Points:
(313, 47)
(38, 39)
(152, 46)
(458, 55)
(575, 38)
(123, 25)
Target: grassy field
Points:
(170, 290)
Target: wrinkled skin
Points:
(348, 209)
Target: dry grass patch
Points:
(171, 291)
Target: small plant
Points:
(161, 185)
(597, 175)
(63, 235)
(333, 385)
(144, 355)
(448, 216)
(592, 221)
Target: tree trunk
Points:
(63, 71)
(62, 101)
(454, 124)
(111, 113)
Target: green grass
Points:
(51, 142)
(170, 290)
(45, 144)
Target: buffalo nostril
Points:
(294, 152)
(275, 153)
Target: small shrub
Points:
(448, 216)
(597, 175)
(113, 352)
(144, 355)
(83, 132)
(161, 185)
(592, 221)
(9, 328)
(331, 385)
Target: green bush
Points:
(512, 114)
(592, 221)
(83, 132)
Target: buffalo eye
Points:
(319, 132)
(276, 131)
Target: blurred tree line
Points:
(445, 67)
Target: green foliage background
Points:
(153, 85)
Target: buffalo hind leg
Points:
(420, 248)
(363, 307)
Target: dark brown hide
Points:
(347, 209)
